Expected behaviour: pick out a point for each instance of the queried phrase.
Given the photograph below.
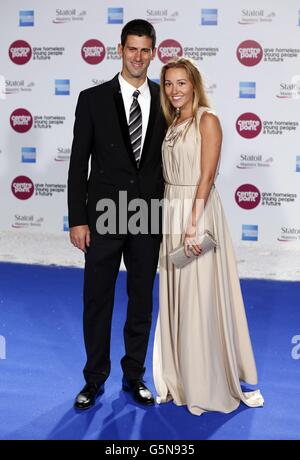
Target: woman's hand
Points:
(190, 242)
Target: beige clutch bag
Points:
(179, 259)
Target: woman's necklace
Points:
(173, 133)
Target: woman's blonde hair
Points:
(194, 76)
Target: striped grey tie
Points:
(135, 126)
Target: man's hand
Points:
(80, 236)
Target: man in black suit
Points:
(121, 131)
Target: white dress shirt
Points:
(144, 99)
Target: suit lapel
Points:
(117, 94)
(154, 109)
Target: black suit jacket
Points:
(101, 134)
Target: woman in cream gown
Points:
(202, 347)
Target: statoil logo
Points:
(248, 125)
(22, 187)
(247, 196)
(21, 120)
(20, 52)
(93, 51)
(249, 53)
(169, 49)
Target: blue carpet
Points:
(41, 341)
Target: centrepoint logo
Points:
(249, 53)
(247, 196)
(21, 120)
(169, 49)
(20, 52)
(22, 187)
(248, 125)
(93, 51)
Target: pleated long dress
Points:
(202, 349)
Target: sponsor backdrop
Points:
(249, 54)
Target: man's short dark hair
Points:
(138, 27)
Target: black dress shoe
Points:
(139, 391)
(87, 396)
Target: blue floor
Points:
(41, 341)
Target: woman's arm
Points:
(211, 141)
